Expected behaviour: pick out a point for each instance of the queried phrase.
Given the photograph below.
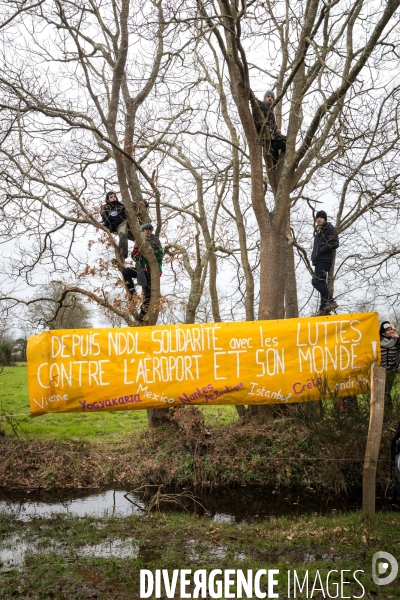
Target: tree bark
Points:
(273, 248)
(291, 302)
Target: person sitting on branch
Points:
(277, 141)
(113, 217)
(142, 271)
(326, 241)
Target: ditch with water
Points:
(241, 505)
(98, 539)
(221, 505)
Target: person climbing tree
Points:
(390, 356)
(129, 274)
(326, 241)
(113, 217)
(142, 271)
(276, 141)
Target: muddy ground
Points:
(70, 558)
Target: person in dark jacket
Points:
(390, 356)
(325, 243)
(113, 217)
(142, 271)
(278, 141)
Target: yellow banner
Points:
(259, 362)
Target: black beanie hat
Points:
(321, 213)
(269, 93)
(146, 226)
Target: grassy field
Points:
(115, 426)
(72, 558)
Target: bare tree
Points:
(323, 51)
(87, 109)
(157, 103)
(61, 311)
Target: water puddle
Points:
(14, 549)
(117, 549)
(112, 503)
(222, 506)
(204, 552)
(12, 553)
(223, 518)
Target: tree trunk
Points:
(213, 285)
(272, 275)
(331, 276)
(157, 416)
(264, 412)
(291, 303)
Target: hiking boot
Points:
(331, 305)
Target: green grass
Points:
(114, 425)
(181, 541)
(14, 400)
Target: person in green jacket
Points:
(142, 271)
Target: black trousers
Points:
(279, 143)
(319, 281)
(129, 274)
(147, 294)
(390, 379)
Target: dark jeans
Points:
(279, 143)
(147, 294)
(390, 379)
(129, 275)
(319, 281)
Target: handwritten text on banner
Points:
(260, 362)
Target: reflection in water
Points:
(105, 504)
(223, 506)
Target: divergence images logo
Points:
(384, 559)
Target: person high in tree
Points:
(142, 272)
(113, 217)
(277, 140)
(326, 241)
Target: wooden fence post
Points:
(377, 405)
